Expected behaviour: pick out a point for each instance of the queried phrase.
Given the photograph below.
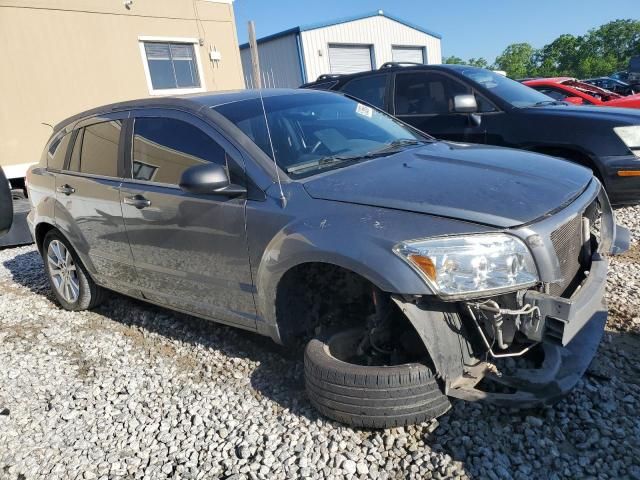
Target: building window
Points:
(171, 66)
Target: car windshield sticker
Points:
(364, 110)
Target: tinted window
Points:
(368, 89)
(553, 93)
(164, 147)
(57, 152)
(100, 149)
(426, 93)
(74, 162)
(510, 91)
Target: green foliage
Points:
(453, 60)
(516, 60)
(601, 51)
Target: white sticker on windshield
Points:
(364, 110)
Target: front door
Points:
(425, 100)
(190, 251)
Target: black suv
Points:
(468, 104)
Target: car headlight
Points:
(471, 265)
(630, 135)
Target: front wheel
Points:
(368, 396)
(71, 284)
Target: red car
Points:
(570, 90)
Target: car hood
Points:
(605, 112)
(489, 185)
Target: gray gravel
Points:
(135, 391)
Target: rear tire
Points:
(71, 284)
(369, 396)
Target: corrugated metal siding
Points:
(380, 32)
(279, 63)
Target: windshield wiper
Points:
(334, 159)
(398, 145)
(320, 162)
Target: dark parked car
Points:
(468, 104)
(613, 85)
(633, 71)
(412, 265)
(6, 205)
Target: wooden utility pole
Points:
(255, 61)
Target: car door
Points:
(190, 251)
(424, 99)
(87, 206)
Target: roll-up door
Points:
(349, 58)
(408, 54)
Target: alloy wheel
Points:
(63, 272)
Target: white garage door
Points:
(349, 58)
(408, 54)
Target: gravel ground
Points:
(134, 391)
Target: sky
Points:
(469, 28)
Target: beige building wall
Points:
(60, 57)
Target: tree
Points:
(453, 60)
(558, 58)
(478, 62)
(517, 60)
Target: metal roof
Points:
(314, 26)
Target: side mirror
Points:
(465, 104)
(209, 179)
(574, 100)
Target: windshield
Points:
(515, 93)
(319, 130)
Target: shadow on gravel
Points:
(27, 270)
(278, 376)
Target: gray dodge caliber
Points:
(410, 267)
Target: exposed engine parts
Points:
(502, 326)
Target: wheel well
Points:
(41, 231)
(572, 155)
(315, 295)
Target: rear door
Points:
(87, 209)
(190, 251)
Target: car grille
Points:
(567, 242)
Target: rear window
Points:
(57, 152)
(99, 151)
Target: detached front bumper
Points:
(572, 331)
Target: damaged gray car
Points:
(409, 267)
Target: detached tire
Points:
(368, 396)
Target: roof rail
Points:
(329, 76)
(398, 64)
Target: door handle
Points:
(137, 201)
(66, 189)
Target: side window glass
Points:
(100, 149)
(164, 147)
(368, 89)
(484, 105)
(553, 93)
(57, 152)
(424, 93)
(74, 162)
